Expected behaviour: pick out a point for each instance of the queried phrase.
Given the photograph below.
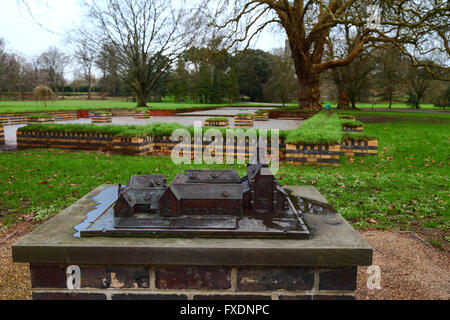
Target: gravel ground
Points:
(410, 268)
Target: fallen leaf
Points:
(373, 221)
(27, 218)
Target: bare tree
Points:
(146, 36)
(418, 82)
(417, 28)
(390, 73)
(85, 57)
(353, 79)
(51, 65)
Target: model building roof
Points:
(147, 182)
(143, 197)
(207, 191)
(252, 171)
(208, 176)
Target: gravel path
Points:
(410, 268)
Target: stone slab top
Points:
(333, 243)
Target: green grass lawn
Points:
(406, 187)
(70, 105)
(385, 105)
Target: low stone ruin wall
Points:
(246, 122)
(34, 120)
(22, 118)
(133, 145)
(278, 114)
(2, 135)
(217, 124)
(261, 116)
(141, 115)
(348, 128)
(299, 154)
(359, 148)
(102, 118)
(64, 140)
(315, 154)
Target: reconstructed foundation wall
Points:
(217, 124)
(276, 114)
(141, 115)
(41, 120)
(313, 154)
(2, 136)
(262, 116)
(102, 118)
(22, 118)
(359, 148)
(294, 153)
(347, 128)
(129, 282)
(243, 122)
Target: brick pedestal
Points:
(195, 283)
(323, 267)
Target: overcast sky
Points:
(24, 35)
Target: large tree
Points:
(416, 27)
(146, 36)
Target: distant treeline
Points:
(206, 75)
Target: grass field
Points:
(120, 103)
(406, 187)
(71, 105)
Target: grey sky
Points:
(24, 35)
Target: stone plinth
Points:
(323, 267)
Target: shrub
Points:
(44, 94)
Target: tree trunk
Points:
(344, 102)
(141, 99)
(309, 92)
